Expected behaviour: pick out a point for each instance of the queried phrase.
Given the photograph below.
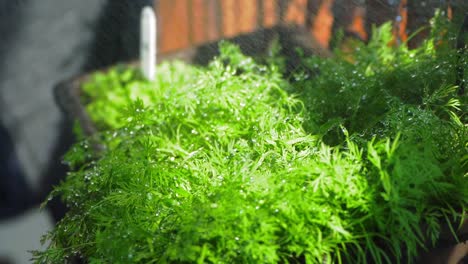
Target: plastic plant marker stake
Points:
(148, 43)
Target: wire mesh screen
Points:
(186, 23)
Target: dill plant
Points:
(232, 163)
(359, 89)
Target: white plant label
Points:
(148, 43)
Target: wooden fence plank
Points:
(358, 23)
(296, 12)
(247, 15)
(230, 15)
(323, 23)
(213, 20)
(173, 16)
(269, 13)
(402, 25)
(197, 21)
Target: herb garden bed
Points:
(357, 158)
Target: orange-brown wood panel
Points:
(403, 23)
(230, 17)
(323, 23)
(358, 23)
(248, 15)
(197, 21)
(296, 12)
(174, 27)
(449, 11)
(269, 13)
(213, 19)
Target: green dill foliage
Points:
(231, 163)
(358, 89)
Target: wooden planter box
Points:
(68, 97)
